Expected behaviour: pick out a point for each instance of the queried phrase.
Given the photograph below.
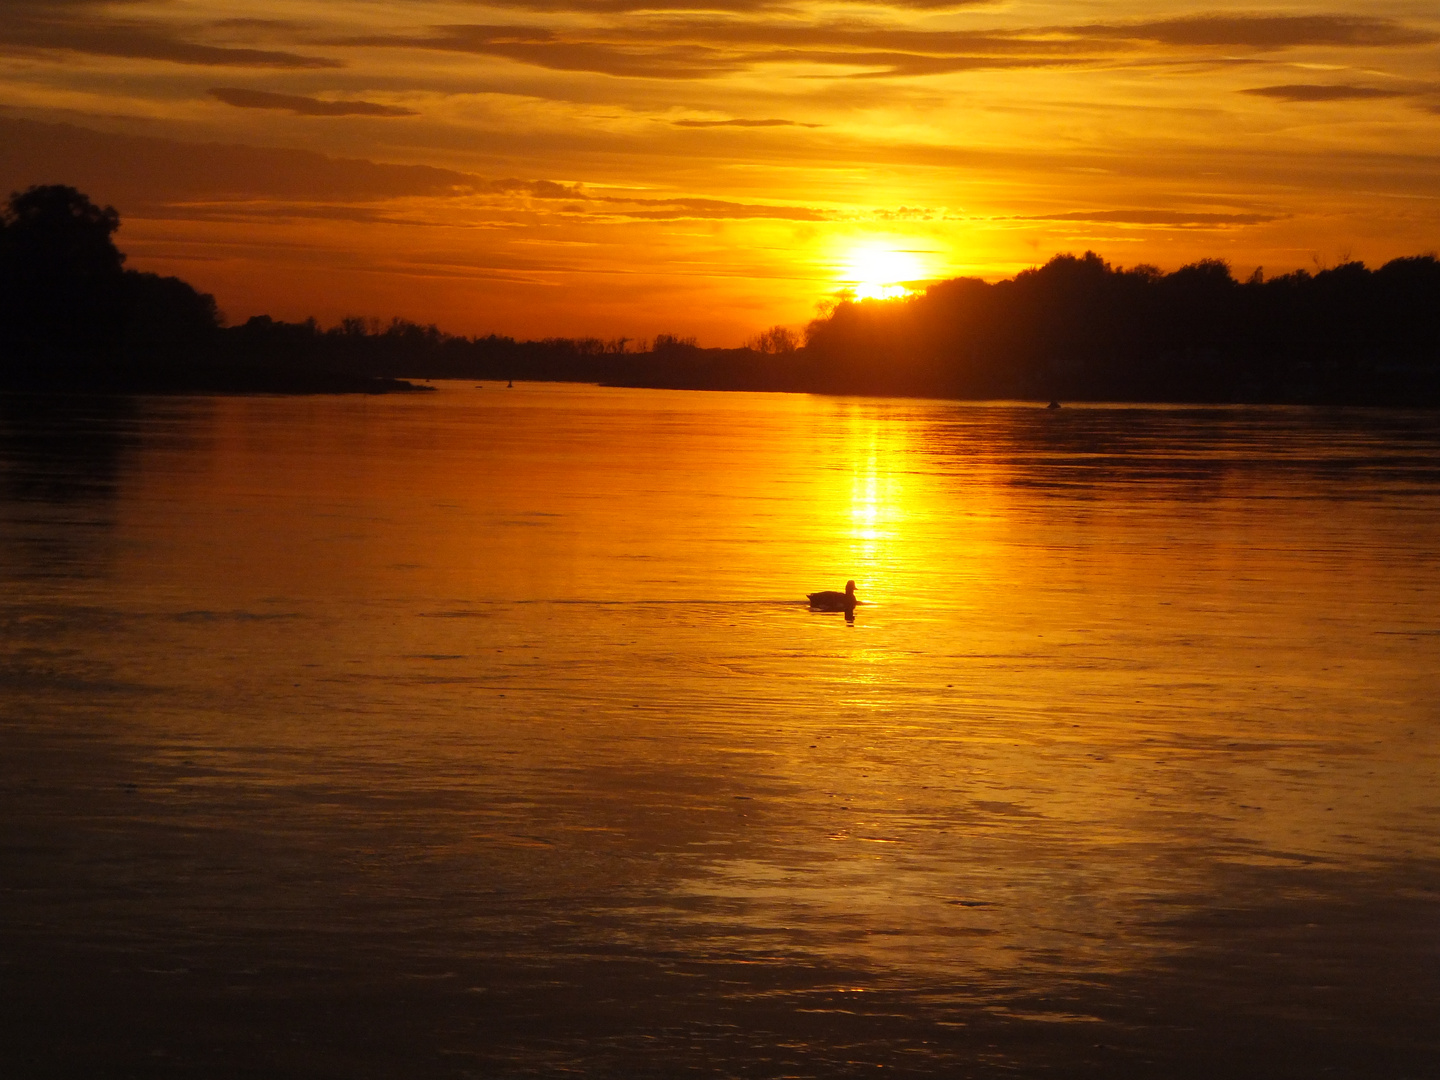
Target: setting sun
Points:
(876, 272)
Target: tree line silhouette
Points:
(1079, 328)
(1076, 328)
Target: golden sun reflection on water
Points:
(918, 523)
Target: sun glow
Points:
(877, 272)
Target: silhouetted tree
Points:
(673, 345)
(61, 278)
(70, 311)
(777, 341)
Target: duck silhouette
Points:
(830, 600)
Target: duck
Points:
(830, 600)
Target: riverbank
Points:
(232, 380)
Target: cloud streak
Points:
(1262, 32)
(303, 106)
(25, 32)
(711, 209)
(142, 171)
(687, 48)
(741, 123)
(1170, 218)
(735, 7)
(683, 40)
(137, 170)
(707, 49)
(1306, 92)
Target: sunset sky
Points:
(712, 167)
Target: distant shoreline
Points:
(222, 383)
(339, 383)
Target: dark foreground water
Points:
(481, 734)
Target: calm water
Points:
(486, 733)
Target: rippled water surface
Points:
(487, 733)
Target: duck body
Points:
(830, 600)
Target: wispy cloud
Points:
(695, 46)
(734, 7)
(304, 106)
(80, 31)
(536, 189)
(696, 49)
(136, 171)
(141, 171)
(1323, 92)
(688, 40)
(598, 51)
(740, 123)
(1170, 218)
(714, 209)
(1265, 32)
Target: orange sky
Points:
(712, 167)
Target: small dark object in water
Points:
(1053, 405)
(830, 600)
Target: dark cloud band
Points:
(137, 42)
(1309, 92)
(715, 209)
(304, 106)
(705, 46)
(740, 123)
(1171, 218)
(686, 40)
(1263, 32)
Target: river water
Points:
(486, 733)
